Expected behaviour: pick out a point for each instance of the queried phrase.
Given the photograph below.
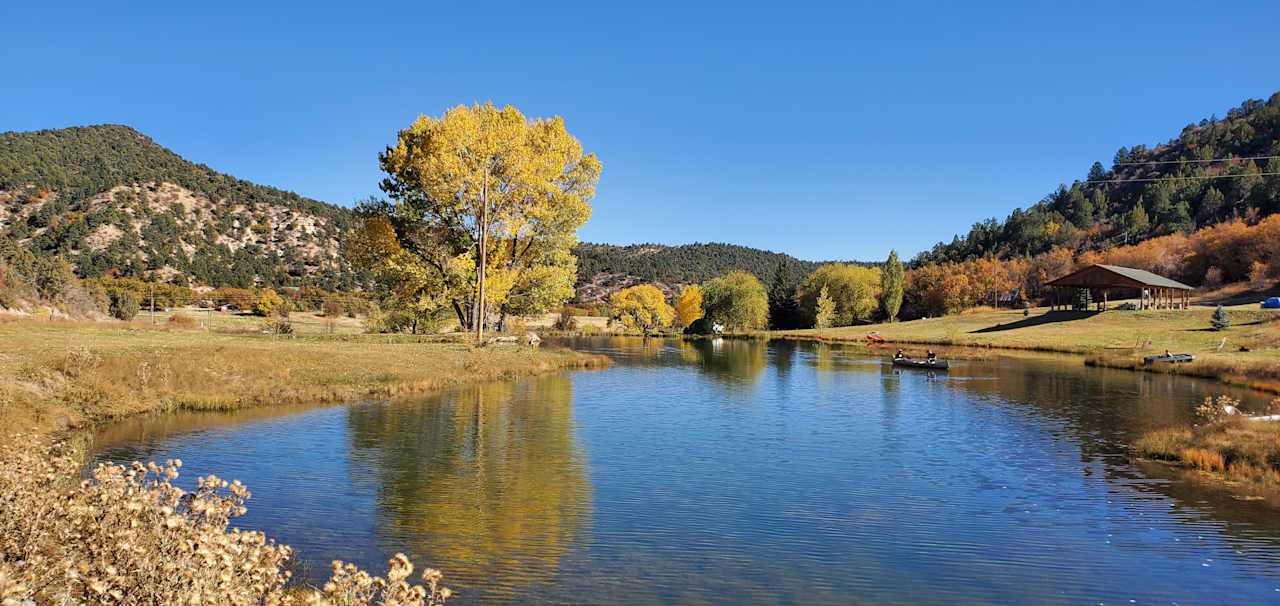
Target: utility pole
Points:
(484, 245)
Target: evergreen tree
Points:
(1179, 218)
(1122, 156)
(892, 279)
(1211, 205)
(1269, 192)
(1220, 320)
(784, 309)
(1161, 206)
(1099, 201)
(1137, 221)
(1081, 208)
(1096, 172)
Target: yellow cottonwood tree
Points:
(641, 308)
(689, 305)
(487, 187)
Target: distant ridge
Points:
(605, 268)
(115, 202)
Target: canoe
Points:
(925, 364)
(1170, 358)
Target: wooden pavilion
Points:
(1158, 292)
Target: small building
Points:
(1156, 291)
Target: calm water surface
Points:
(745, 472)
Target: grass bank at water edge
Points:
(56, 376)
(1114, 338)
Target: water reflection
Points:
(486, 479)
(739, 471)
(734, 361)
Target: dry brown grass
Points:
(182, 321)
(61, 375)
(1204, 460)
(127, 535)
(1228, 447)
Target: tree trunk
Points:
(462, 315)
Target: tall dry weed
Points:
(128, 535)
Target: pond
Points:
(748, 472)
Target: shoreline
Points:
(1244, 355)
(54, 383)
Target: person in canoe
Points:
(899, 355)
(931, 356)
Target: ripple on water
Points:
(742, 472)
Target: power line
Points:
(1210, 161)
(1189, 177)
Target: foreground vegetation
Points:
(1114, 338)
(1227, 447)
(127, 534)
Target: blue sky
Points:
(826, 131)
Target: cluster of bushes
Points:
(269, 302)
(27, 281)
(127, 296)
(737, 301)
(128, 535)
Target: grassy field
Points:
(1111, 338)
(304, 322)
(60, 375)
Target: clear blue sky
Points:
(823, 130)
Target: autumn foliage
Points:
(1232, 251)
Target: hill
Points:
(1212, 171)
(606, 268)
(113, 201)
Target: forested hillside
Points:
(113, 202)
(1213, 171)
(605, 268)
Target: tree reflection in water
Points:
(484, 479)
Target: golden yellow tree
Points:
(689, 305)
(497, 192)
(854, 290)
(641, 308)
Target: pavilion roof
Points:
(1114, 276)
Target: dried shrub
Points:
(277, 326)
(1212, 411)
(1163, 444)
(182, 321)
(1204, 460)
(127, 535)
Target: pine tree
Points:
(1080, 207)
(1122, 156)
(1211, 205)
(1220, 320)
(1099, 201)
(1096, 172)
(1138, 220)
